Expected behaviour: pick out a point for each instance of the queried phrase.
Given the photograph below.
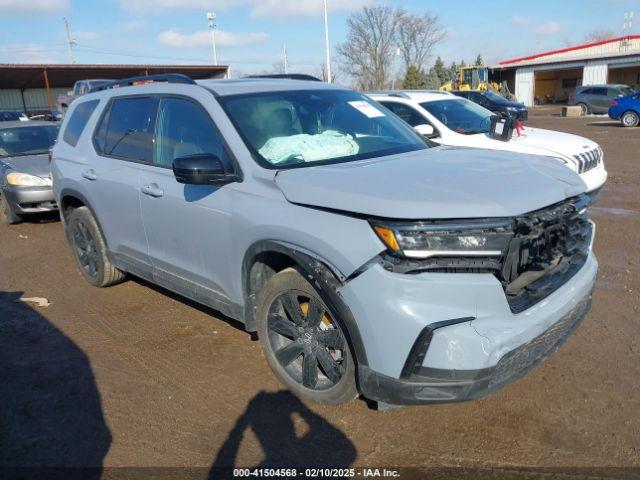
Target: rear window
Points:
(127, 130)
(77, 122)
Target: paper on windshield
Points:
(366, 109)
(309, 148)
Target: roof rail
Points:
(287, 76)
(391, 93)
(143, 79)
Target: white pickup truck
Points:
(446, 119)
(79, 88)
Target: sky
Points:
(251, 34)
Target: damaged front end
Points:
(532, 255)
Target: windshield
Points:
(9, 116)
(309, 127)
(460, 115)
(627, 91)
(494, 97)
(30, 140)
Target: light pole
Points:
(211, 20)
(326, 42)
(395, 68)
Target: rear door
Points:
(124, 141)
(598, 100)
(187, 226)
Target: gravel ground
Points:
(133, 376)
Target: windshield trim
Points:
(222, 100)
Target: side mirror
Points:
(426, 131)
(201, 169)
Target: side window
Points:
(613, 92)
(127, 130)
(599, 91)
(78, 120)
(406, 113)
(586, 91)
(184, 128)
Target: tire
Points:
(313, 360)
(7, 217)
(630, 119)
(584, 108)
(90, 250)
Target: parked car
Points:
(80, 88)
(626, 109)
(597, 98)
(25, 174)
(49, 115)
(12, 116)
(366, 261)
(495, 102)
(449, 120)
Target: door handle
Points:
(90, 175)
(153, 190)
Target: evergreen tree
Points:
(432, 80)
(413, 79)
(440, 71)
(479, 61)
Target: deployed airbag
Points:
(309, 148)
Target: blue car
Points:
(626, 109)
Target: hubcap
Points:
(85, 249)
(307, 342)
(629, 119)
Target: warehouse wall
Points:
(35, 98)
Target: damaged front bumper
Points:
(446, 337)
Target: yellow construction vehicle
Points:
(471, 78)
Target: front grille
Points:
(526, 357)
(549, 247)
(588, 160)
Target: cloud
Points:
(548, 28)
(33, 6)
(159, 5)
(285, 9)
(276, 9)
(30, 53)
(202, 38)
(516, 20)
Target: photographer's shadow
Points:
(270, 417)
(50, 409)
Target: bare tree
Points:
(599, 35)
(366, 54)
(322, 73)
(417, 35)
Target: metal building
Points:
(552, 76)
(35, 88)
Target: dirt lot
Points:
(134, 376)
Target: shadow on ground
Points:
(271, 418)
(50, 409)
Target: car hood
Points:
(37, 165)
(534, 141)
(441, 182)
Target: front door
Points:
(187, 226)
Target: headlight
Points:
(26, 180)
(440, 239)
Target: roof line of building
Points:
(108, 65)
(569, 49)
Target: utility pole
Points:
(285, 60)
(70, 41)
(211, 20)
(326, 42)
